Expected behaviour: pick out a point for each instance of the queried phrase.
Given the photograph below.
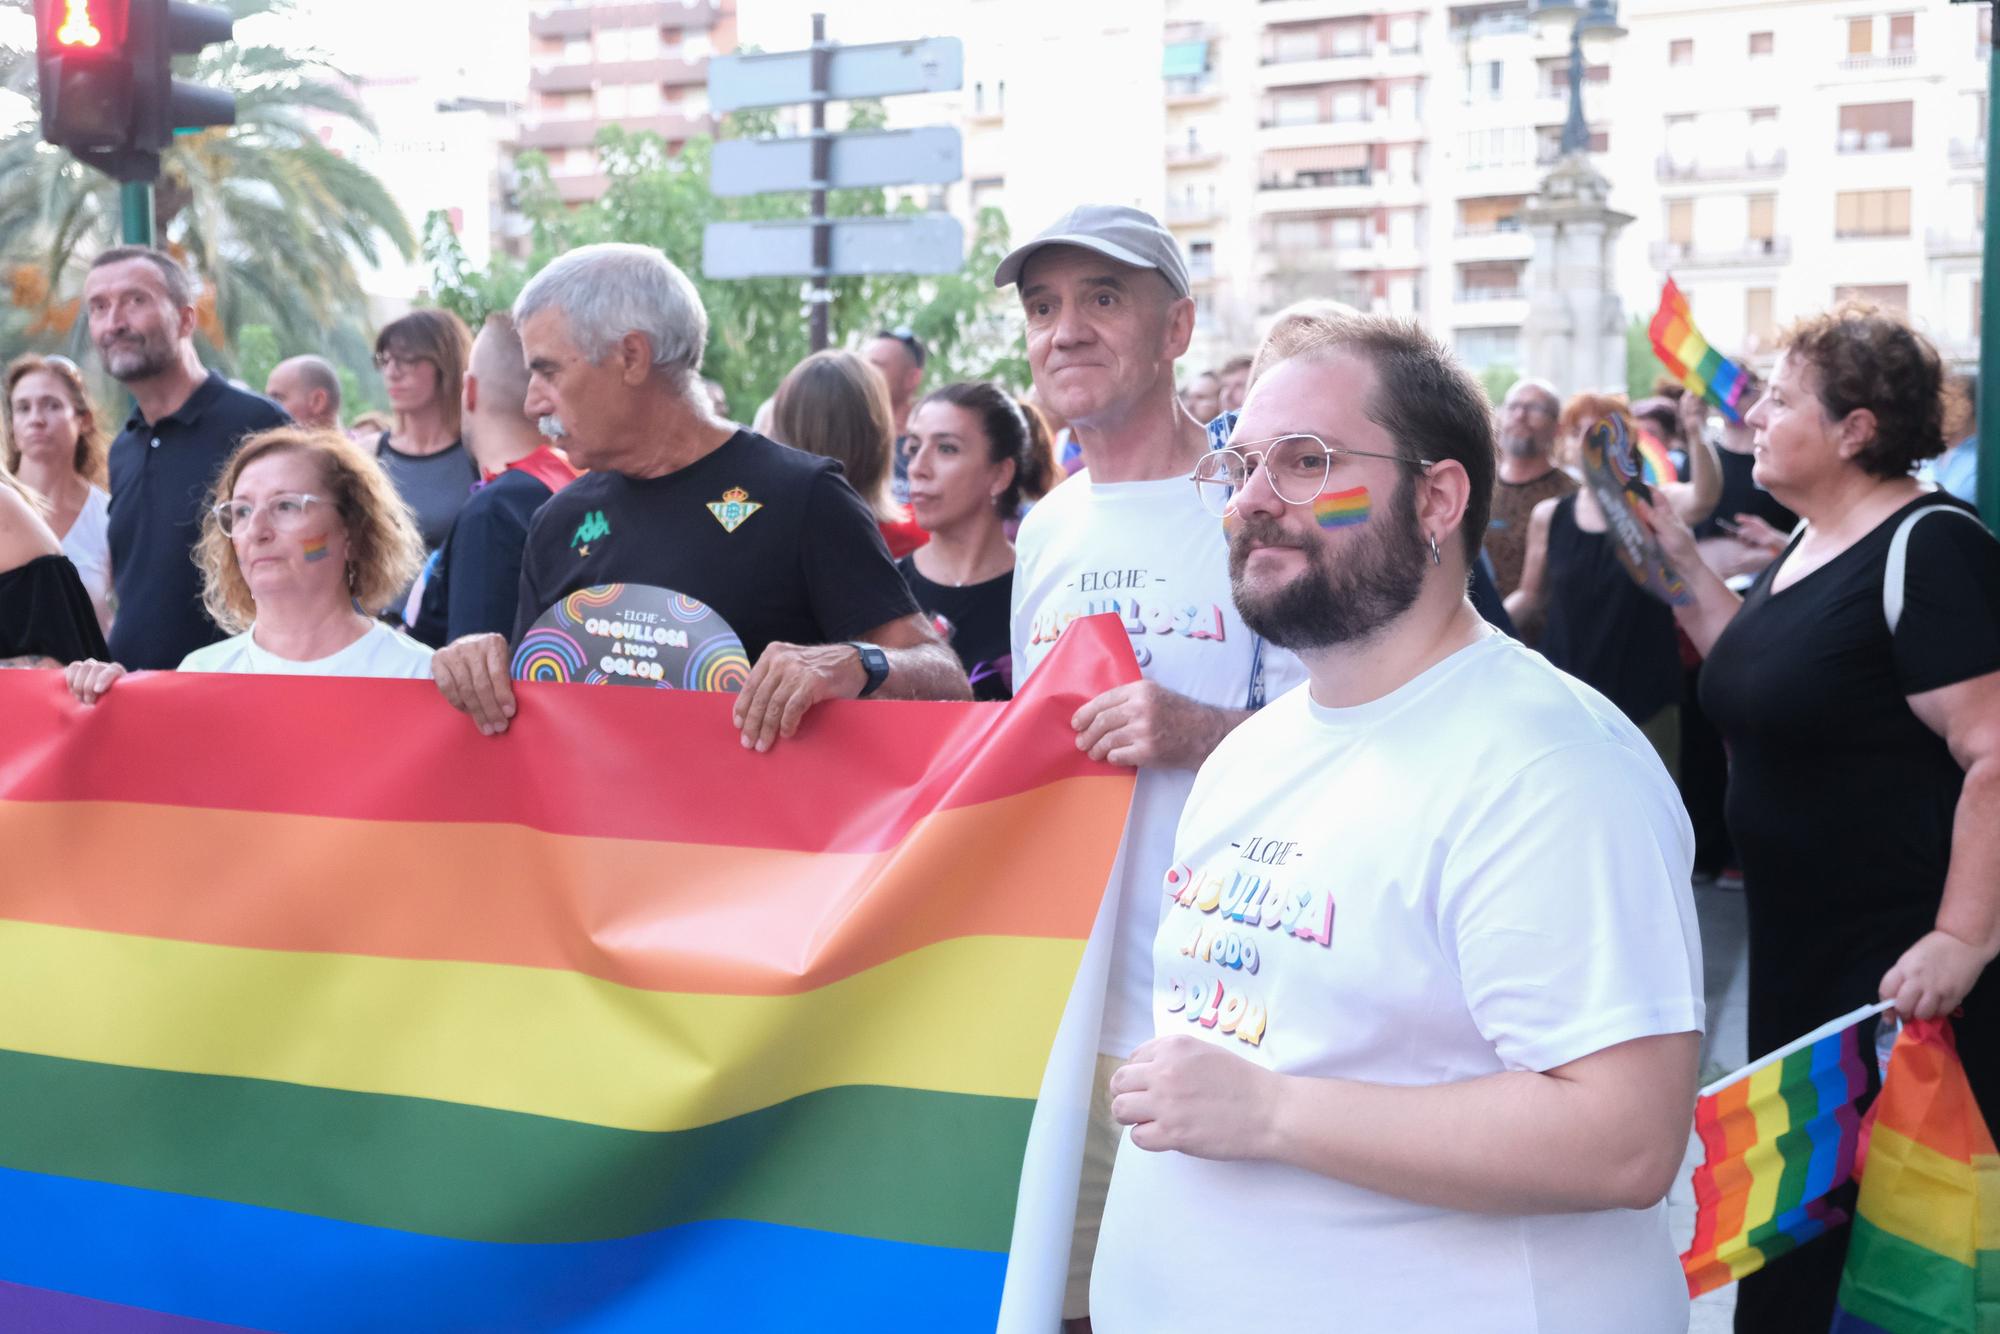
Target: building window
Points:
(1761, 44)
(1872, 213)
(1875, 127)
(1680, 223)
(1350, 103)
(1296, 110)
(1892, 296)
(1860, 37)
(1902, 34)
(1201, 259)
(1763, 225)
(1290, 44)
(1680, 51)
(1758, 317)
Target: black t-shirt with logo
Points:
(774, 539)
(974, 621)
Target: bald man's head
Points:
(498, 429)
(308, 389)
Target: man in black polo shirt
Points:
(187, 420)
(771, 538)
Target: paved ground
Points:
(1722, 942)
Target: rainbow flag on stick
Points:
(1776, 1137)
(1684, 352)
(1925, 1254)
(606, 1025)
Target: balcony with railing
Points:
(1189, 89)
(1193, 212)
(1954, 243)
(1182, 153)
(1875, 141)
(1756, 252)
(1884, 60)
(1968, 152)
(1747, 167)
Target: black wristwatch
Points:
(873, 661)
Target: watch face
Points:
(634, 635)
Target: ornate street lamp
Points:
(1593, 26)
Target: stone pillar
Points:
(1574, 336)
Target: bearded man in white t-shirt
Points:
(1104, 293)
(1427, 986)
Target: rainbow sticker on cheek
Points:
(1341, 509)
(315, 549)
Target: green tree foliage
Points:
(757, 327)
(1496, 381)
(1642, 364)
(274, 221)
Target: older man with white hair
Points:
(771, 538)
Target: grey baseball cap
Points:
(1128, 235)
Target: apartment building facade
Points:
(1773, 156)
(594, 63)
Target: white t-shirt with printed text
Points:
(1151, 553)
(380, 651)
(1485, 870)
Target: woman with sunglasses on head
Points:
(305, 531)
(422, 358)
(974, 456)
(53, 445)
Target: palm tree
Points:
(273, 220)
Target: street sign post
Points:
(856, 160)
(879, 69)
(899, 243)
(818, 247)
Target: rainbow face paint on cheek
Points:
(1341, 509)
(315, 549)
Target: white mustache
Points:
(552, 427)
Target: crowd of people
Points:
(1405, 975)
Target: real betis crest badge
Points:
(734, 507)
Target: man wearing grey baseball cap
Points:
(1105, 295)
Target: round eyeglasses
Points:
(287, 509)
(1296, 466)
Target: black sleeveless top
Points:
(1603, 628)
(44, 613)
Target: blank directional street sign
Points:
(878, 69)
(903, 243)
(856, 160)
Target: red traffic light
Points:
(83, 27)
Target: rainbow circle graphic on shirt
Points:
(718, 663)
(577, 606)
(547, 654)
(687, 610)
(1341, 509)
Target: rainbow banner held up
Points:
(1685, 353)
(1925, 1254)
(321, 1012)
(1776, 1137)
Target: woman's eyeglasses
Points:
(288, 511)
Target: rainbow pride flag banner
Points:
(321, 1012)
(1687, 355)
(1776, 1137)
(1925, 1254)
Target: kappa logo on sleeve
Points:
(734, 507)
(592, 529)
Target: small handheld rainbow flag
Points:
(1777, 1136)
(1925, 1255)
(1686, 353)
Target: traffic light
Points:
(162, 104)
(107, 85)
(85, 68)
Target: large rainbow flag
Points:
(1685, 353)
(1776, 1137)
(1925, 1254)
(319, 1011)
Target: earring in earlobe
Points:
(1436, 559)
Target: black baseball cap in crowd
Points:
(1128, 235)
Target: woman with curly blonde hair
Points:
(306, 530)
